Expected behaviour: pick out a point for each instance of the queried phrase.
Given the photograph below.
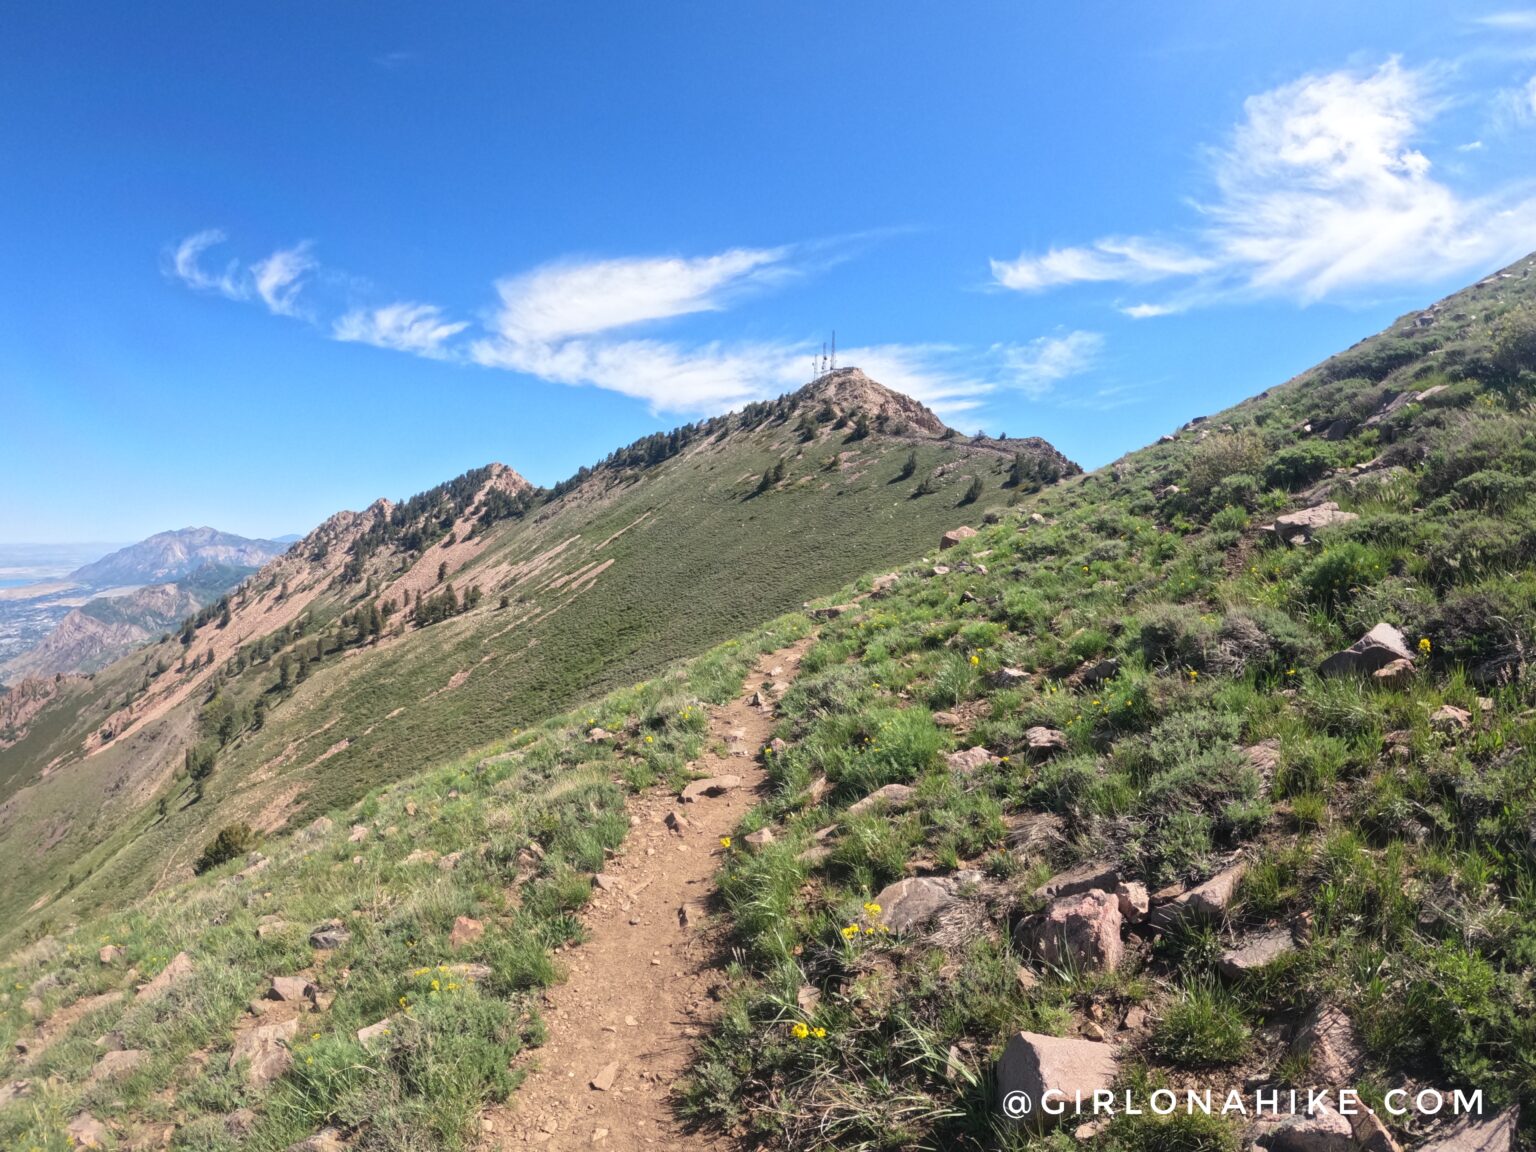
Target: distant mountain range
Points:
(103, 609)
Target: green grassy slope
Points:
(584, 590)
(1389, 840)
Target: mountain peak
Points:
(849, 390)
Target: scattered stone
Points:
(1398, 674)
(1256, 952)
(421, 856)
(1207, 902)
(331, 934)
(1264, 757)
(374, 1032)
(1081, 931)
(603, 882)
(1327, 1041)
(14, 1090)
(358, 834)
(831, 611)
(449, 862)
(677, 822)
(289, 988)
(1135, 1018)
(264, 1049)
(1026, 979)
(818, 789)
(596, 735)
(1133, 899)
(946, 719)
(954, 536)
(410, 807)
(1299, 527)
(1033, 1065)
(1477, 1134)
(909, 904)
(603, 1081)
(240, 1122)
(758, 840)
(969, 760)
(1376, 649)
(1044, 742)
(466, 930)
(715, 785)
(882, 584)
(692, 913)
(326, 1140)
(177, 970)
(1092, 675)
(807, 998)
(1449, 718)
(1010, 677)
(814, 855)
(1083, 878)
(270, 926)
(110, 955)
(116, 1065)
(892, 796)
(87, 1131)
(940, 570)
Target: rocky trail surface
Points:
(643, 986)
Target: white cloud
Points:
(1515, 21)
(1145, 311)
(186, 263)
(280, 278)
(420, 329)
(1035, 368)
(276, 280)
(1319, 191)
(1129, 260)
(570, 299)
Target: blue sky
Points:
(266, 261)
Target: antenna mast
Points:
(834, 349)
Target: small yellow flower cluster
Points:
(800, 1030)
(872, 928)
(1425, 646)
(725, 841)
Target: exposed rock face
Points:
(1134, 901)
(1398, 674)
(1375, 650)
(374, 1033)
(849, 391)
(1081, 931)
(758, 840)
(264, 1050)
(290, 988)
(87, 1131)
(1083, 878)
(909, 904)
(1034, 1065)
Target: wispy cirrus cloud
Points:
(276, 280)
(1320, 190)
(405, 326)
(608, 323)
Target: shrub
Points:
(1203, 1029)
(1330, 581)
(1220, 457)
(1293, 468)
(233, 840)
(1175, 636)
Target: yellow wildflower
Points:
(872, 908)
(819, 1033)
(1424, 645)
(725, 841)
(800, 1030)
(850, 932)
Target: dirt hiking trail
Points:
(639, 991)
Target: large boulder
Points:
(953, 537)
(265, 1051)
(1033, 1065)
(1043, 742)
(1298, 527)
(1083, 878)
(1081, 931)
(909, 904)
(1256, 952)
(1321, 1130)
(1375, 650)
(969, 760)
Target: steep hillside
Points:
(169, 556)
(390, 638)
(1095, 776)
